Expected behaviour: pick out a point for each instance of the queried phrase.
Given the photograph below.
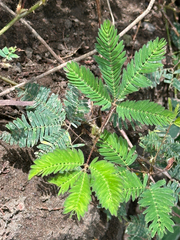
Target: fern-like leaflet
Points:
(158, 201)
(115, 149)
(145, 112)
(58, 160)
(112, 58)
(85, 81)
(65, 180)
(137, 228)
(131, 184)
(147, 60)
(43, 119)
(75, 106)
(80, 195)
(106, 184)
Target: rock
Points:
(137, 45)
(149, 27)
(17, 68)
(38, 57)
(127, 40)
(68, 24)
(60, 47)
(29, 52)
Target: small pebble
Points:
(149, 27)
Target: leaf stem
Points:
(23, 21)
(105, 122)
(20, 15)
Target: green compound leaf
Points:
(147, 60)
(112, 58)
(61, 140)
(137, 228)
(75, 105)
(56, 161)
(131, 185)
(80, 196)
(65, 180)
(145, 112)
(115, 149)
(158, 201)
(86, 82)
(106, 185)
(42, 120)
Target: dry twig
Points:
(16, 103)
(98, 4)
(139, 18)
(110, 11)
(33, 31)
(169, 21)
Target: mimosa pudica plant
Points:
(108, 176)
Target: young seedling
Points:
(110, 178)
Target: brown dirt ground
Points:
(32, 210)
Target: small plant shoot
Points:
(8, 53)
(109, 175)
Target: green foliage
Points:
(65, 180)
(174, 37)
(109, 176)
(112, 58)
(137, 228)
(106, 184)
(176, 234)
(156, 76)
(115, 149)
(131, 184)
(145, 61)
(121, 213)
(145, 112)
(158, 201)
(85, 81)
(45, 118)
(43, 121)
(175, 172)
(75, 106)
(153, 141)
(8, 53)
(56, 140)
(171, 77)
(174, 186)
(80, 195)
(59, 160)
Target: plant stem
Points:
(100, 131)
(98, 3)
(9, 24)
(173, 28)
(20, 15)
(107, 119)
(92, 149)
(8, 80)
(23, 21)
